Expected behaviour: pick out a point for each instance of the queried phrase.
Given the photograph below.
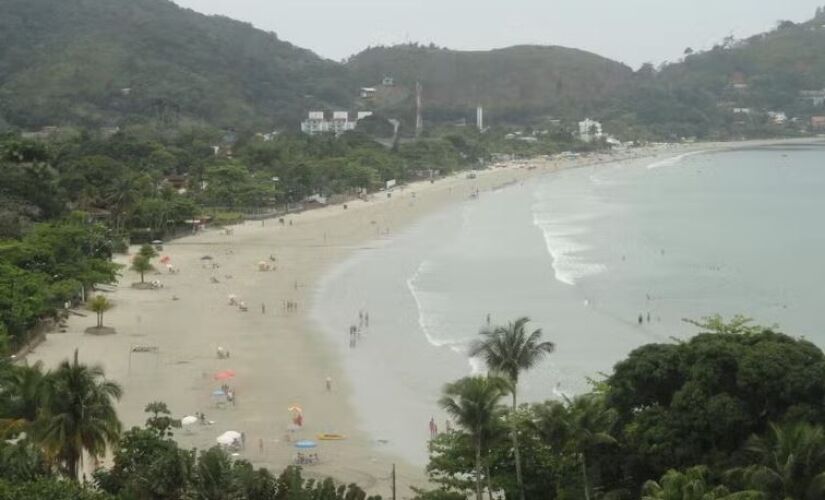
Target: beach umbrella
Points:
(295, 409)
(228, 437)
(218, 393)
(224, 375)
(188, 420)
(206, 257)
(305, 444)
(165, 259)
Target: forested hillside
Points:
(100, 63)
(103, 62)
(514, 84)
(730, 90)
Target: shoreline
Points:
(281, 358)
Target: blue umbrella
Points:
(305, 444)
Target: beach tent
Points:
(188, 420)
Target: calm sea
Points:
(584, 253)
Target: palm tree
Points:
(99, 305)
(21, 396)
(590, 422)
(474, 405)
(690, 485)
(792, 462)
(509, 350)
(79, 414)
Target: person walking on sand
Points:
(329, 384)
(263, 308)
(260, 446)
(432, 427)
(367, 319)
(243, 440)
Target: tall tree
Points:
(509, 350)
(141, 265)
(474, 404)
(79, 414)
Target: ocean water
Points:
(584, 253)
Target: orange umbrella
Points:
(225, 375)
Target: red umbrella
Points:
(225, 375)
(165, 259)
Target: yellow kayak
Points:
(330, 437)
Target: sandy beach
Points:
(279, 357)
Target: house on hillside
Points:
(815, 98)
(590, 130)
(318, 123)
(778, 117)
(818, 122)
(738, 81)
(388, 81)
(368, 92)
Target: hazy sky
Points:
(631, 31)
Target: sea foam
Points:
(672, 160)
(569, 265)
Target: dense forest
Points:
(733, 413)
(113, 63)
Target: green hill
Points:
(698, 96)
(96, 63)
(100, 62)
(514, 84)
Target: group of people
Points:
(434, 427)
(308, 459)
(290, 306)
(355, 331)
(230, 394)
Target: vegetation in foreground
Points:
(733, 413)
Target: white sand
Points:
(280, 358)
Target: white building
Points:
(317, 122)
(813, 97)
(590, 130)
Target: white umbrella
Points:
(228, 437)
(188, 420)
